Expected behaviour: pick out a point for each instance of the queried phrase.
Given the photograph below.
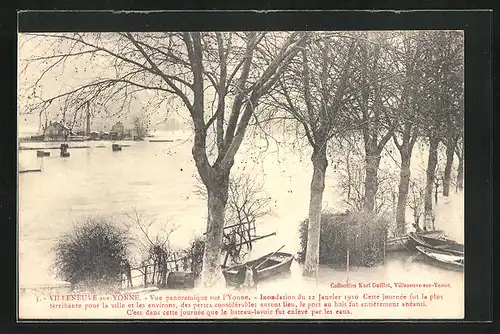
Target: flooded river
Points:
(157, 178)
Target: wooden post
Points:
(155, 263)
(347, 261)
(384, 245)
(164, 277)
(347, 265)
(226, 258)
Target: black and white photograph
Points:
(241, 174)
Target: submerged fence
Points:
(153, 272)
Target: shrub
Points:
(91, 254)
(361, 233)
(194, 255)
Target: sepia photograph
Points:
(241, 175)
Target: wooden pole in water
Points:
(347, 265)
(384, 244)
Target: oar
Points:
(268, 258)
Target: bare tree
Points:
(443, 59)
(349, 163)
(140, 127)
(459, 150)
(219, 79)
(153, 247)
(416, 201)
(409, 55)
(374, 103)
(247, 203)
(315, 91)
(454, 132)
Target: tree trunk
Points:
(371, 181)
(431, 170)
(460, 173)
(404, 183)
(450, 153)
(217, 190)
(436, 189)
(320, 164)
(349, 181)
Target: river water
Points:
(157, 179)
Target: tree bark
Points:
(431, 170)
(320, 164)
(371, 180)
(460, 173)
(404, 183)
(450, 153)
(436, 189)
(217, 190)
(349, 178)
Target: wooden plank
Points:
(30, 170)
(257, 238)
(234, 225)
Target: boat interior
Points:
(272, 261)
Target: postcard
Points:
(206, 175)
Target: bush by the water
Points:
(194, 255)
(361, 233)
(91, 254)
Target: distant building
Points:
(57, 131)
(117, 131)
(94, 135)
(105, 136)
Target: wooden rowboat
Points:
(274, 264)
(400, 243)
(442, 258)
(442, 243)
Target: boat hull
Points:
(442, 259)
(116, 147)
(402, 243)
(440, 244)
(278, 263)
(180, 280)
(42, 154)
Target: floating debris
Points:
(42, 154)
(161, 140)
(64, 150)
(30, 170)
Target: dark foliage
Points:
(362, 234)
(194, 255)
(91, 254)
